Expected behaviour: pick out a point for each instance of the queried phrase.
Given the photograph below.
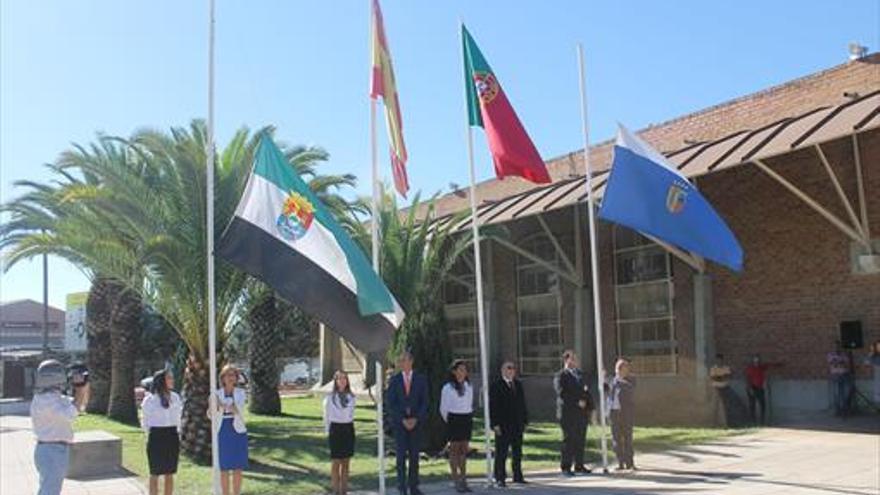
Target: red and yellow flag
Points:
(383, 85)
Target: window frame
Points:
(521, 263)
(463, 307)
(669, 281)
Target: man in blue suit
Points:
(408, 408)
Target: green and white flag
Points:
(283, 235)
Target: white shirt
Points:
(156, 416)
(451, 402)
(334, 412)
(224, 404)
(52, 416)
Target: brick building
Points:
(795, 171)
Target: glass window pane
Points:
(649, 345)
(643, 301)
(641, 265)
(540, 339)
(627, 238)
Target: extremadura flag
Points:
(284, 236)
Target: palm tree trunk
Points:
(125, 329)
(98, 309)
(196, 426)
(263, 350)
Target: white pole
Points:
(484, 361)
(212, 323)
(594, 263)
(374, 225)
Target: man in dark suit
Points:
(508, 417)
(408, 409)
(574, 395)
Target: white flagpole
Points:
(374, 225)
(212, 323)
(594, 263)
(484, 362)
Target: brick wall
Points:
(797, 284)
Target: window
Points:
(643, 296)
(538, 307)
(459, 295)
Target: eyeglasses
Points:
(509, 367)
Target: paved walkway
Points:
(19, 477)
(771, 461)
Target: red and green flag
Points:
(488, 107)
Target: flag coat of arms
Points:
(648, 194)
(488, 107)
(283, 235)
(384, 85)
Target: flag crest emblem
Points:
(487, 86)
(296, 217)
(676, 197)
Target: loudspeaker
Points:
(851, 334)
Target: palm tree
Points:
(97, 358)
(136, 213)
(415, 258)
(265, 313)
(39, 211)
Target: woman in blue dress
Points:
(232, 437)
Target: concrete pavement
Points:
(771, 461)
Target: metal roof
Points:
(817, 126)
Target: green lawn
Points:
(289, 453)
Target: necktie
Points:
(406, 383)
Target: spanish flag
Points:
(283, 235)
(488, 107)
(383, 85)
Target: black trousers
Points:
(406, 446)
(574, 435)
(508, 441)
(756, 396)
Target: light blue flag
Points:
(648, 194)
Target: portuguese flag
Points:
(512, 150)
(283, 235)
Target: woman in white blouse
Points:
(232, 435)
(339, 424)
(457, 410)
(162, 409)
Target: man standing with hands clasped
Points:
(508, 417)
(575, 405)
(408, 408)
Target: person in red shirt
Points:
(756, 382)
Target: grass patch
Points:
(289, 454)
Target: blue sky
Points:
(71, 69)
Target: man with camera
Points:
(52, 415)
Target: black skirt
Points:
(459, 426)
(341, 440)
(163, 450)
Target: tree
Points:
(35, 217)
(415, 258)
(263, 320)
(136, 212)
(97, 358)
